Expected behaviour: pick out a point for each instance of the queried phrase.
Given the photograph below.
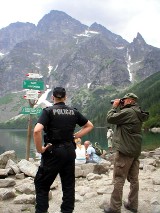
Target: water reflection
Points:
(150, 140)
(17, 139)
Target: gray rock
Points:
(155, 201)
(90, 195)
(92, 176)
(6, 193)
(4, 173)
(12, 165)
(24, 199)
(78, 198)
(155, 209)
(26, 188)
(5, 157)
(156, 180)
(20, 176)
(27, 168)
(78, 171)
(82, 190)
(101, 169)
(7, 182)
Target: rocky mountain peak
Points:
(138, 49)
(15, 33)
(98, 27)
(69, 53)
(139, 40)
(114, 39)
(59, 21)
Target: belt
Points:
(58, 145)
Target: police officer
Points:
(58, 154)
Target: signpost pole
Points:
(28, 137)
(29, 132)
(31, 84)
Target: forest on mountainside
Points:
(96, 103)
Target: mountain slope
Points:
(97, 103)
(93, 103)
(91, 62)
(69, 53)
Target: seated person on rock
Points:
(80, 152)
(91, 156)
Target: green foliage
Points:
(97, 102)
(149, 98)
(94, 103)
(6, 99)
(21, 123)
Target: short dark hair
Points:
(59, 92)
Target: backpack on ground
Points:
(98, 149)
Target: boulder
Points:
(28, 168)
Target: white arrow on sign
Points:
(32, 94)
(34, 75)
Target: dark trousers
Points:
(61, 160)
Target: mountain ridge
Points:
(79, 54)
(73, 55)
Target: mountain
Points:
(14, 34)
(71, 54)
(92, 103)
(96, 103)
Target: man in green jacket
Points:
(127, 140)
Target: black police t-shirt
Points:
(61, 116)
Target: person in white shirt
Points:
(109, 138)
(80, 152)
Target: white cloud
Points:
(123, 17)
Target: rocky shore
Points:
(93, 185)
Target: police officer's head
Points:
(59, 94)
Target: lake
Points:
(17, 139)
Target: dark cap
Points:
(130, 95)
(59, 92)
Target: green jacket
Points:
(127, 136)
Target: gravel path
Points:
(92, 205)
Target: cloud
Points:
(123, 17)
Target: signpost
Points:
(32, 94)
(33, 84)
(34, 75)
(34, 87)
(31, 111)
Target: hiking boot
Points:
(126, 205)
(109, 210)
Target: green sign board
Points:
(33, 84)
(32, 111)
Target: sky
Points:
(123, 17)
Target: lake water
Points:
(17, 140)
